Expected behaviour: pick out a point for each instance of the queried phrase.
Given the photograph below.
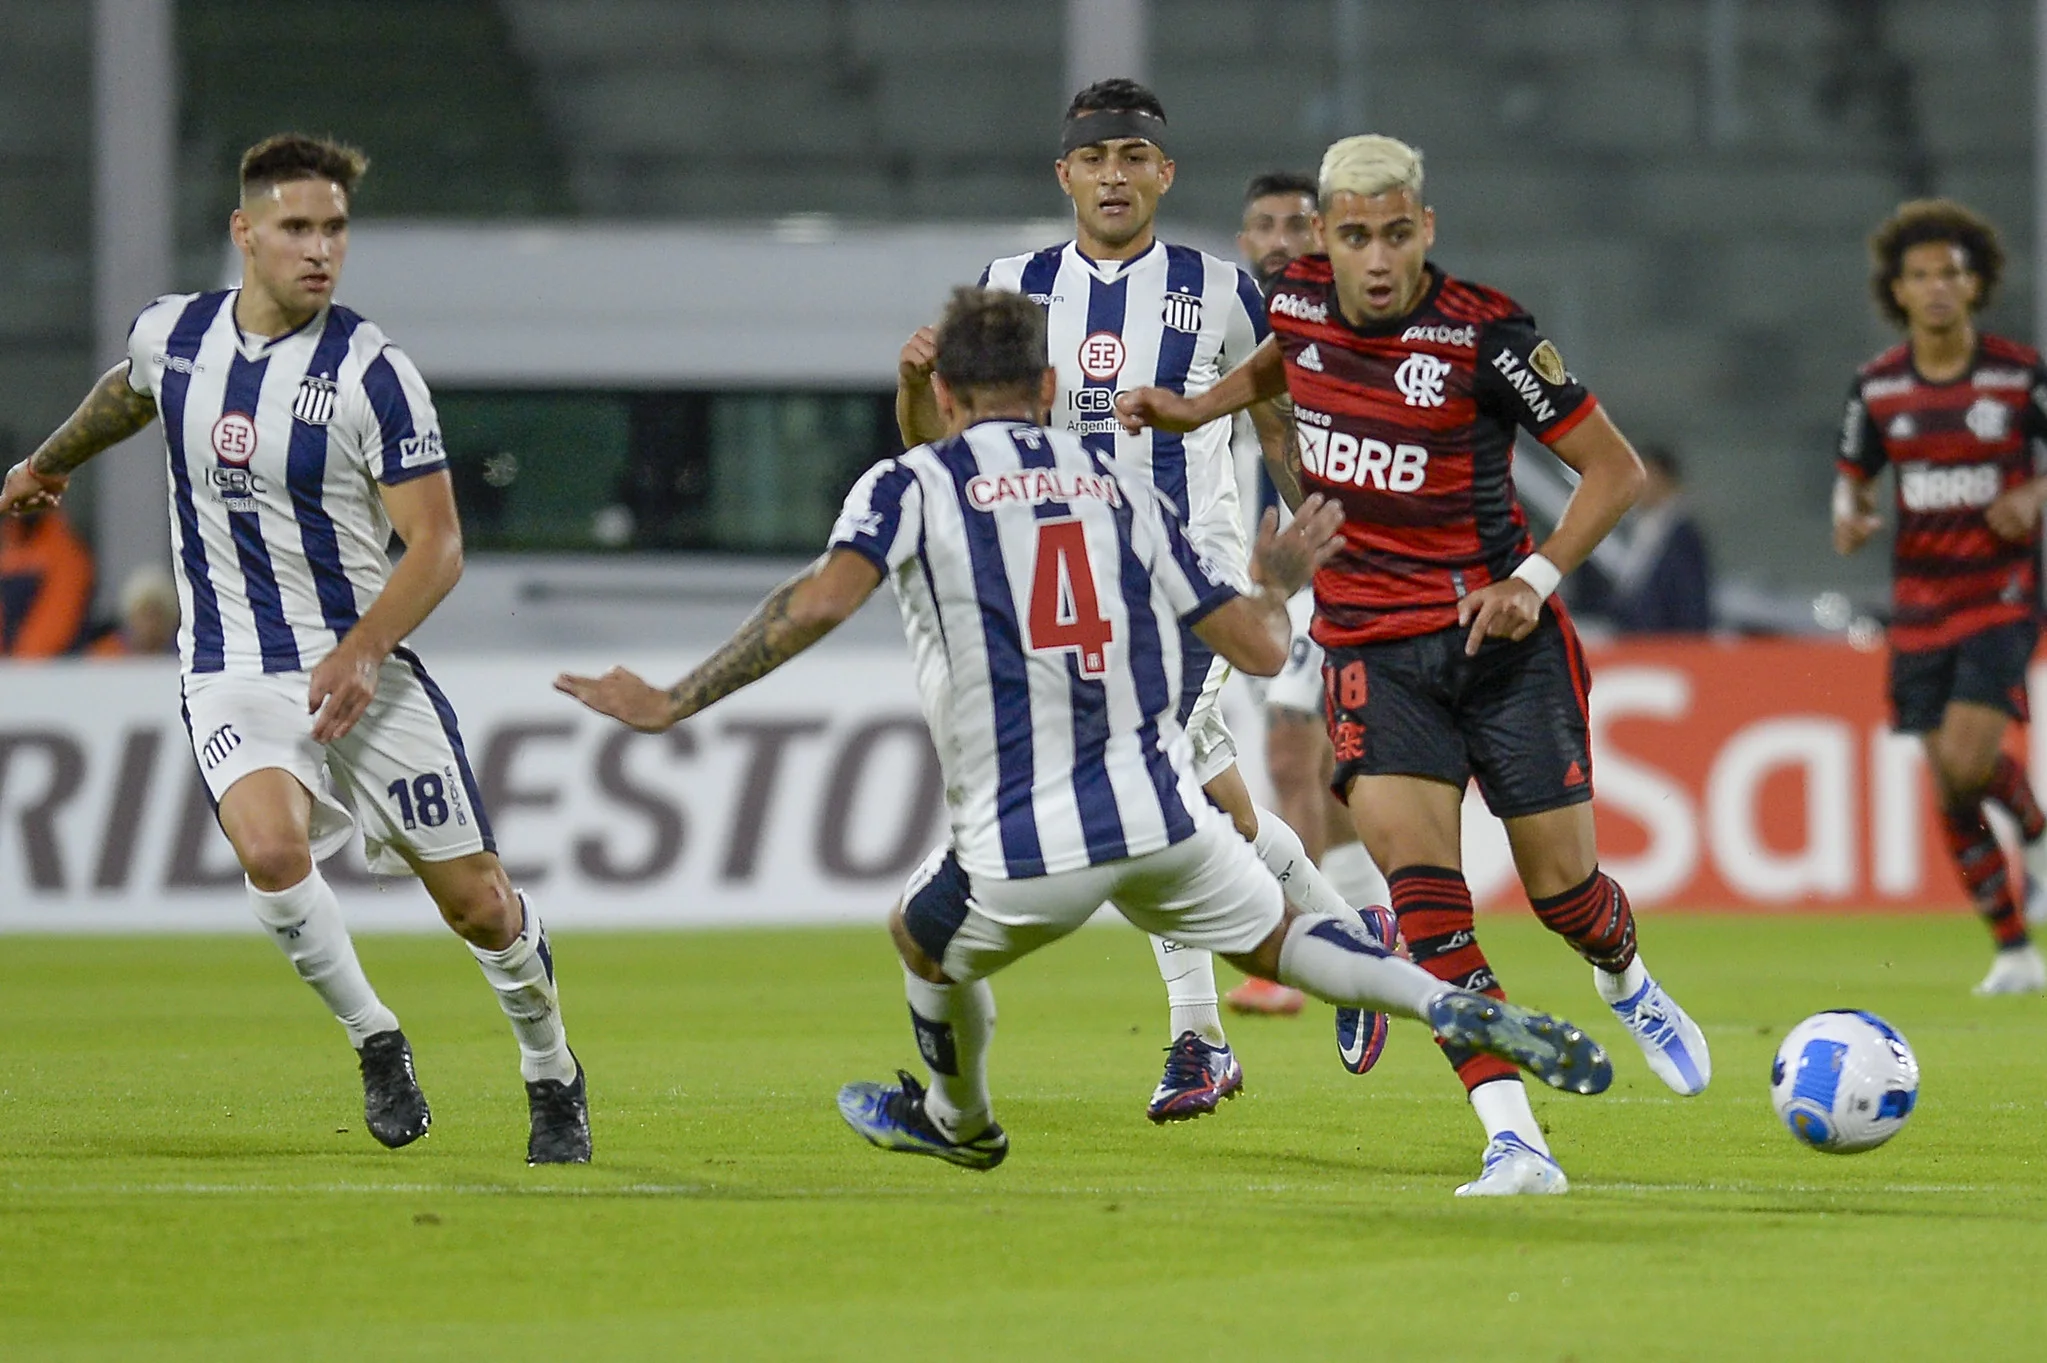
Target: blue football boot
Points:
(1198, 1077)
(894, 1119)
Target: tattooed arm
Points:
(1274, 420)
(796, 615)
(111, 413)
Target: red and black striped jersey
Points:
(1410, 424)
(1956, 447)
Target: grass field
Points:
(185, 1172)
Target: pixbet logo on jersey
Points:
(1464, 336)
(1101, 355)
(1293, 305)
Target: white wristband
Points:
(1539, 573)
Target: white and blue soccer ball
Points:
(1844, 1081)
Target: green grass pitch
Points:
(184, 1173)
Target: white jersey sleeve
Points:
(387, 422)
(1244, 326)
(148, 336)
(1005, 274)
(881, 516)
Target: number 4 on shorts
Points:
(1066, 614)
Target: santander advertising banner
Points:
(1753, 774)
(1738, 775)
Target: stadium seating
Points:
(1701, 265)
(1710, 286)
(45, 215)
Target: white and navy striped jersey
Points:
(1044, 592)
(277, 446)
(1173, 317)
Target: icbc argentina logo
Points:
(1101, 355)
(234, 438)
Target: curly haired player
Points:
(1958, 414)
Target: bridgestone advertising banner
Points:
(1732, 776)
(810, 796)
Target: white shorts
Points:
(400, 772)
(1209, 890)
(1298, 687)
(1215, 752)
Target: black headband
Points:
(1106, 125)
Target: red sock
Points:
(2010, 788)
(1433, 905)
(1595, 918)
(1981, 863)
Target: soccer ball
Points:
(1844, 1081)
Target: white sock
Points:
(1502, 1105)
(1350, 870)
(523, 976)
(1189, 973)
(1613, 988)
(1279, 847)
(1333, 959)
(954, 1023)
(305, 921)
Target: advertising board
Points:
(1738, 775)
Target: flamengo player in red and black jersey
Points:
(1440, 662)
(1960, 415)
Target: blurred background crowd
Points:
(654, 256)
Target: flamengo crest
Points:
(1420, 379)
(1988, 419)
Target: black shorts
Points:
(1985, 668)
(1514, 717)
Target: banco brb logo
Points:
(1420, 379)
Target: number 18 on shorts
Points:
(400, 773)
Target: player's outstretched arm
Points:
(422, 511)
(1610, 478)
(1259, 378)
(111, 413)
(1253, 632)
(795, 615)
(918, 419)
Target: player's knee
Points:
(481, 906)
(273, 859)
(1962, 772)
(914, 958)
(1263, 959)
